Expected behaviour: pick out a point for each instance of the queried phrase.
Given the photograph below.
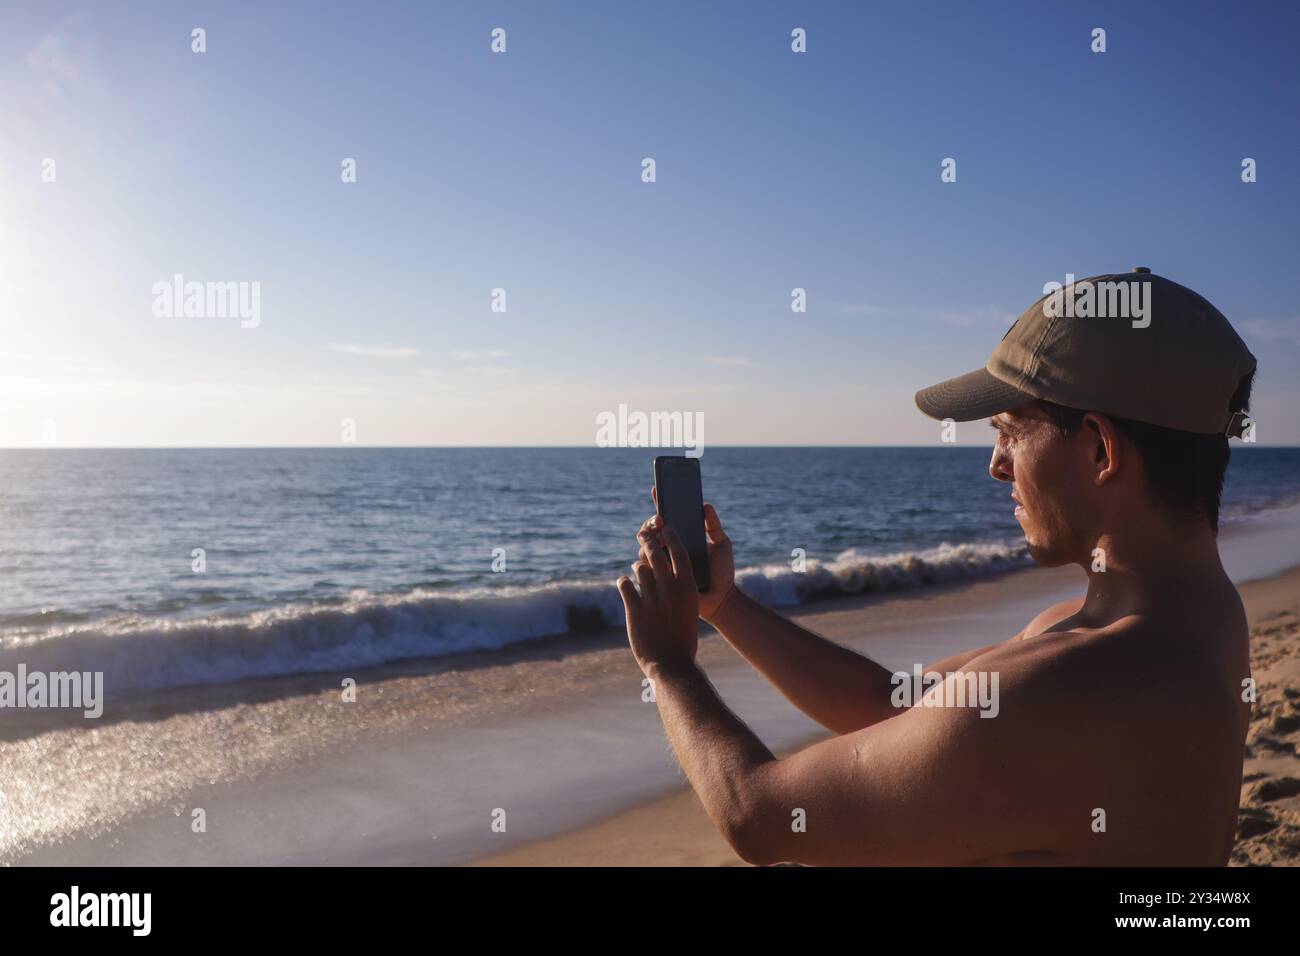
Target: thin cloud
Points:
(1273, 330)
(375, 351)
(970, 318)
(493, 371)
(962, 318)
(478, 355)
(61, 55)
(856, 308)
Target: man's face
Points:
(1047, 484)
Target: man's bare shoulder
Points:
(1159, 670)
(1055, 615)
(1053, 657)
(1140, 677)
(1052, 617)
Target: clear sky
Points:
(522, 171)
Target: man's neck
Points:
(1134, 568)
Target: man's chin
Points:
(1046, 556)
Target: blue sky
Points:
(523, 171)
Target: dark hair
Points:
(1184, 470)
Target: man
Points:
(1119, 732)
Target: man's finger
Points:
(662, 566)
(713, 525)
(649, 536)
(677, 551)
(644, 578)
(631, 600)
(645, 529)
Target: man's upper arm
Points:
(934, 785)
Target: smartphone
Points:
(681, 503)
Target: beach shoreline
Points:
(557, 732)
(245, 745)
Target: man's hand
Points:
(661, 618)
(722, 569)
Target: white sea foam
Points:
(366, 630)
(855, 573)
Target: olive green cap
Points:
(1131, 345)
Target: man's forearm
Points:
(835, 686)
(718, 753)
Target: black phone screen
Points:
(681, 503)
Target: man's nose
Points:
(1000, 465)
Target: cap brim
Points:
(971, 396)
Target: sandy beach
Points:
(555, 733)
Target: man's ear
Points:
(1103, 446)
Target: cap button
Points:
(1145, 270)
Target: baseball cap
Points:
(1132, 345)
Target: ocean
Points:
(174, 567)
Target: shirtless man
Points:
(1122, 714)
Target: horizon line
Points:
(357, 445)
